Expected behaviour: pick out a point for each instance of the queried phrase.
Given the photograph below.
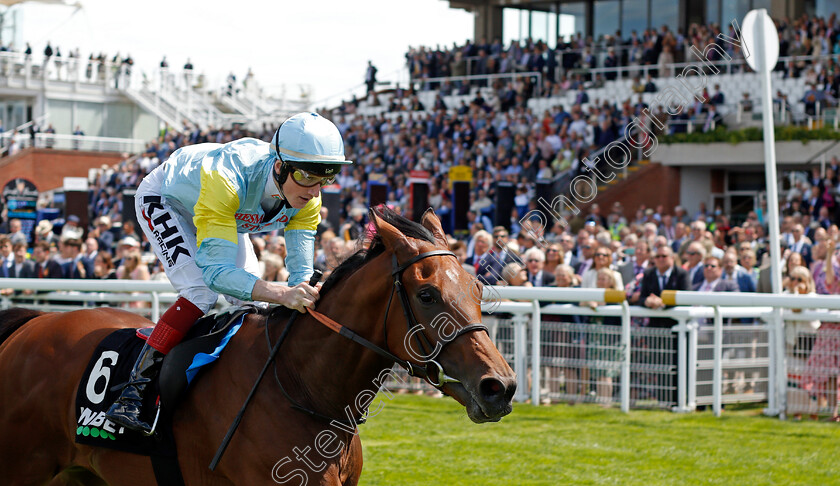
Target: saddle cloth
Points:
(111, 364)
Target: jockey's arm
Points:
(217, 249)
(300, 256)
(300, 242)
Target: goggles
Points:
(305, 179)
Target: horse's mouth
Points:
(477, 411)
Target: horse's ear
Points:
(391, 236)
(431, 222)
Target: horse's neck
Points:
(326, 372)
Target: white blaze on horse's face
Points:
(452, 274)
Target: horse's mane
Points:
(372, 246)
(375, 245)
(13, 319)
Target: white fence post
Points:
(772, 407)
(625, 356)
(520, 365)
(778, 329)
(718, 365)
(536, 325)
(691, 401)
(682, 369)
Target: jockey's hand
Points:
(300, 296)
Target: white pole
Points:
(535, 354)
(682, 370)
(769, 156)
(717, 370)
(625, 356)
(520, 344)
(692, 366)
(781, 363)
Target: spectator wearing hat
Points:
(44, 232)
(72, 229)
(125, 245)
(101, 232)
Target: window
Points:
(539, 25)
(61, 115)
(733, 10)
(89, 118)
(572, 19)
(824, 8)
(634, 16)
(510, 25)
(606, 17)
(664, 12)
(552, 30)
(713, 11)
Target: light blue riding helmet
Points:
(311, 143)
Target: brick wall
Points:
(48, 168)
(651, 185)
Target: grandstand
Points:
(492, 131)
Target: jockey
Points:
(197, 210)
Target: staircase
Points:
(259, 111)
(155, 105)
(175, 107)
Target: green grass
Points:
(428, 441)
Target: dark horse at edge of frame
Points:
(43, 355)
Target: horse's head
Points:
(443, 300)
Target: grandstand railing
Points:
(724, 66)
(182, 97)
(701, 360)
(484, 77)
(642, 70)
(72, 142)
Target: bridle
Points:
(430, 372)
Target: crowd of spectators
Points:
(652, 52)
(641, 251)
(98, 67)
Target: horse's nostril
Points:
(492, 389)
(511, 389)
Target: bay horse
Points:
(43, 355)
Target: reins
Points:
(432, 370)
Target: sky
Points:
(320, 45)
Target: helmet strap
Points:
(281, 177)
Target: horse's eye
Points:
(426, 297)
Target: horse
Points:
(300, 426)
